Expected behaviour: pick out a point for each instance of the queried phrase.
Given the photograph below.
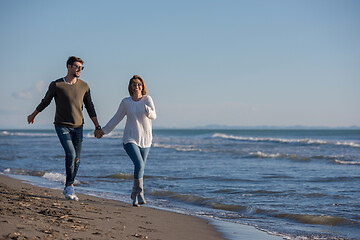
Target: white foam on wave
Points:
(4, 133)
(89, 135)
(349, 144)
(113, 134)
(265, 155)
(284, 140)
(347, 162)
(260, 139)
(57, 177)
(27, 134)
(260, 154)
(180, 148)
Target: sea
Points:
(296, 184)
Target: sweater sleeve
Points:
(116, 119)
(89, 105)
(150, 108)
(48, 97)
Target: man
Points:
(70, 93)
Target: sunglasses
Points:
(136, 84)
(78, 67)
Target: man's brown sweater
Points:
(69, 100)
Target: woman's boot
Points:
(141, 197)
(134, 193)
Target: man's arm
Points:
(95, 121)
(98, 133)
(44, 103)
(32, 116)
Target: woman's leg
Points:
(138, 156)
(141, 198)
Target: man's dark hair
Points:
(74, 59)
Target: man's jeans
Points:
(71, 140)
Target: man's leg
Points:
(70, 154)
(77, 139)
(65, 137)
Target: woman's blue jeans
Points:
(71, 140)
(138, 155)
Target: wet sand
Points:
(31, 212)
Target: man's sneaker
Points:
(69, 193)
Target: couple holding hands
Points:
(70, 94)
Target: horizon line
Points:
(224, 127)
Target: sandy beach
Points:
(30, 212)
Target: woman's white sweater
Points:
(138, 127)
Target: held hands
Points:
(99, 133)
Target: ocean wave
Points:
(335, 159)
(339, 159)
(113, 134)
(349, 144)
(260, 154)
(7, 157)
(346, 162)
(88, 134)
(27, 134)
(127, 176)
(58, 177)
(55, 177)
(316, 219)
(203, 201)
(19, 171)
(179, 148)
(334, 179)
(51, 176)
(121, 176)
(285, 140)
(4, 133)
(277, 140)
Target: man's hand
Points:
(31, 117)
(99, 133)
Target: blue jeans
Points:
(138, 156)
(71, 140)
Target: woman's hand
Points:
(150, 112)
(147, 108)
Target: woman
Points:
(139, 110)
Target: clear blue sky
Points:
(232, 62)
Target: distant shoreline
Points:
(213, 127)
(219, 127)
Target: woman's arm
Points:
(150, 108)
(116, 119)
